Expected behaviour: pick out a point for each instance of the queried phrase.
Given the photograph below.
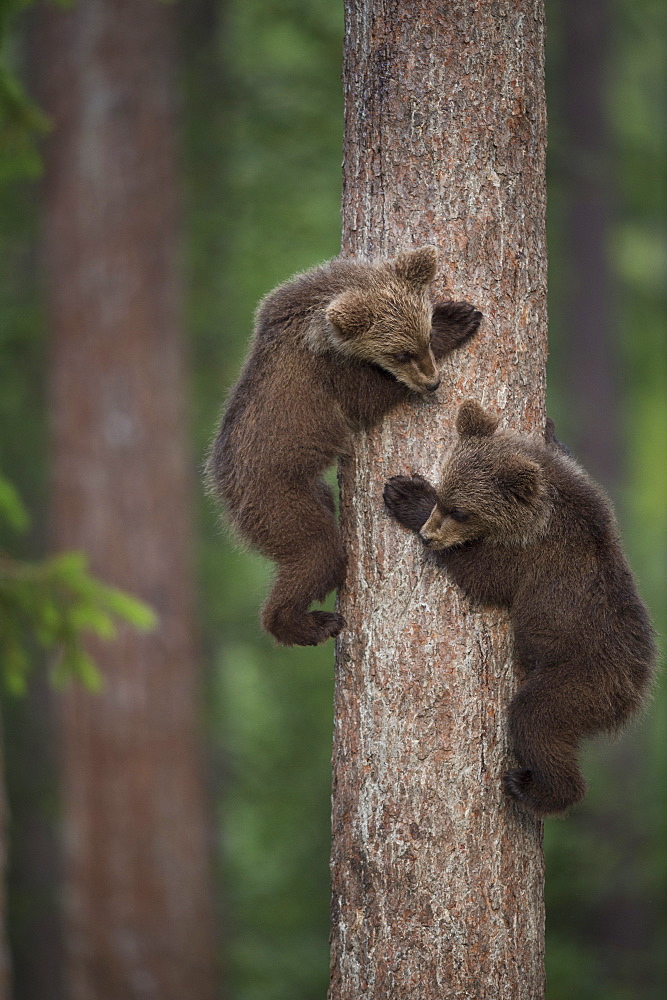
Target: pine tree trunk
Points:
(437, 879)
(138, 919)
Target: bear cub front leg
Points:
(410, 500)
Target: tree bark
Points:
(138, 909)
(437, 879)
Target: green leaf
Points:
(75, 664)
(15, 661)
(21, 121)
(138, 614)
(57, 601)
(87, 673)
(11, 506)
(47, 622)
(68, 567)
(92, 618)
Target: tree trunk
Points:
(437, 879)
(138, 911)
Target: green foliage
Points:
(21, 121)
(264, 117)
(606, 864)
(262, 121)
(55, 603)
(274, 714)
(11, 507)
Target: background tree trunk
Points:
(138, 920)
(437, 879)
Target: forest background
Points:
(260, 140)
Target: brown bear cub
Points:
(334, 350)
(519, 525)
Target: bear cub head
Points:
(492, 488)
(388, 323)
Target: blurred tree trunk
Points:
(138, 910)
(437, 879)
(589, 328)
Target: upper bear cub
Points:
(518, 524)
(334, 349)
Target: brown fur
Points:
(334, 350)
(518, 524)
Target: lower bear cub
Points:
(334, 350)
(519, 525)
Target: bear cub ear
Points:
(521, 477)
(350, 315)
(418, 267)
(474, 421)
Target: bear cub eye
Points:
(403, 357)
(458, 515)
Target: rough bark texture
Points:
(138, 915)
(437, 879)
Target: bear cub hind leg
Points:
(291, 626)
(297, 585)
(311, 563)
(544, 731)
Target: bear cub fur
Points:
(519, 525)
(334, 350)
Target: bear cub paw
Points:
(517, 784)
(309, 629)
(543, 798)
(453, 323)
(410, 500)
